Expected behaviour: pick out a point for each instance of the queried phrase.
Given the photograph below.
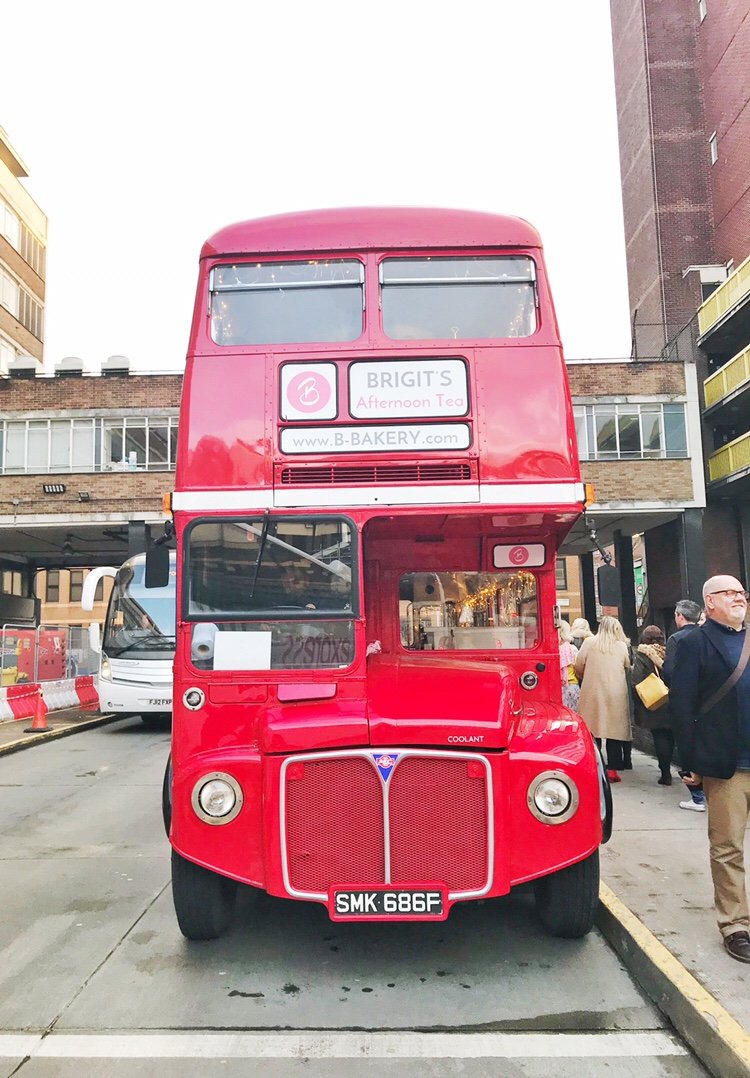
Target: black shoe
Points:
(738, 946)
(665, 780)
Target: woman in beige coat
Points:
(601, 665)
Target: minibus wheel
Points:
(203, 901)
(567, 901)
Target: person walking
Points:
(649, 659)
(580, 630)
(571, 691)
(687, 615)
(601, 667)
(710, 697)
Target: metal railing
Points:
(728, 378)
(727, 295)
(44, 653)
(732, 457)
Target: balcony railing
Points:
(728, 378)
(732, 457)
(727, 295)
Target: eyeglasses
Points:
(731, 593)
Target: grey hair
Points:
(689, 610)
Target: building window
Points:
(10, 226)
(9, 292)
(702, 9)
(88, 445)
(713, 148)
(631, 431)
(52, 590)
(99, 593)
(12, 582)
(76, 585)
(561, 575)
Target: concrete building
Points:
(683, 94)
(23, 241)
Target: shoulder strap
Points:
(733, 678)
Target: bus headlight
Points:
(552, 797)
(105, 669)
(217, 798)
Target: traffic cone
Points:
(39, 725)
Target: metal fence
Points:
(45, 653)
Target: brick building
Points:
(85, 462)
(683, 92)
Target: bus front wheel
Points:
(203, 901)
(567, 900)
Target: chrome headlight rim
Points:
(198, 809)
(567, 781)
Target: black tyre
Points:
(166, 797)
(567, 900)
(203, 901)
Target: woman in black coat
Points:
(649, 659)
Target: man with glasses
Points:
(710, 701)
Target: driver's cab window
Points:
(468, 611)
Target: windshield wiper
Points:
(261, 548)
(149, 643)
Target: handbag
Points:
(653, 692)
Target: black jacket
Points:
(708, 744)
(672, 643)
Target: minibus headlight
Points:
(552, 797)
(105, 669)
(217, 798)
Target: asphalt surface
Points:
(656, 909)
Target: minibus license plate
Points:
(398, 903)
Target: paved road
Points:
(96, 979)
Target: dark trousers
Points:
(618, 754)
(664, 745)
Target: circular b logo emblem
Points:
(308, 391)
(519, 555)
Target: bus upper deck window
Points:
(287, 302)
(475, 298)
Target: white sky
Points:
(147, 126)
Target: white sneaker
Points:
(692, 806)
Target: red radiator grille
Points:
(438, 817)
(334, 825)
(348, 474)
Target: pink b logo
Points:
(519, 555)
(308, 391)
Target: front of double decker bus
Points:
(376, 468)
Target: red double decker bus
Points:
(377, 465)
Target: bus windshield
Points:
(140, 621)
(458, 298)
(271, 593)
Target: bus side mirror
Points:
(95, 642)
(608, 584)
(157, 567)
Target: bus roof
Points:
(371, 228)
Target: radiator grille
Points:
(354, 474)
(334, 824)
(438, 823)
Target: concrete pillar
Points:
(693, 556)
(624, 561)
(588, 594)
(139, 537)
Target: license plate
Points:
(387, 903)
